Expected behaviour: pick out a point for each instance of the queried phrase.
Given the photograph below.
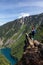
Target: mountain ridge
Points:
(12, 34)
(10, 28)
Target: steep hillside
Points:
(39, 33)
(8, 30)
(17, 48)
(33, 53)
(12, 34)
(32, 56)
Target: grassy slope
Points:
(17, 47)
(9, 29)
(3, 60)
(39, 33)
(19, 32)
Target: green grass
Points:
(3, 60)
(19, 32)
(17, 48)
(39, 34)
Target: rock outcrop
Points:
(33, 53)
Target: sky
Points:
(13, 9)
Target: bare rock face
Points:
(1, 42)
(32, 55)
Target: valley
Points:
(12, 34)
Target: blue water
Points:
(7, 53)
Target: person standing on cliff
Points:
(33, 32)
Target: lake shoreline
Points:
(7, 53)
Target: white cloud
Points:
(23, 15)
(1, 23)
(5, 16)
(10, 17)
(19, 15)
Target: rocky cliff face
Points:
(32, 55)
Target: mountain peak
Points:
(23, 15)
